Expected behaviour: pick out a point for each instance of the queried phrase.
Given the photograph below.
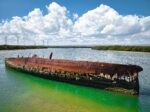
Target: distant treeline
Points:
(110, 47)
(124, 48)
(14, 47)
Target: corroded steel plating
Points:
(94, 71)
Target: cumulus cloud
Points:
(75, 16)
(102, 25)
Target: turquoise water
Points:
(21, 92)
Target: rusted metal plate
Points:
(95, 74)
(78, 66)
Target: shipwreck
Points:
(108, 76)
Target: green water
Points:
(40, 95)
(21, 92)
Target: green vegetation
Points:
(110, 47)
(14, 47)
(124, 48)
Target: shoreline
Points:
(21, 47)
(128, 48)
(145, 49)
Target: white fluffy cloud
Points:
(102, 25)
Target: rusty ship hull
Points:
(108, 76)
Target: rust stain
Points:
(80, 67)
(96, 74)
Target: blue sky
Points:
(9, 8)
(75, 22)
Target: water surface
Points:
(20, 92)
